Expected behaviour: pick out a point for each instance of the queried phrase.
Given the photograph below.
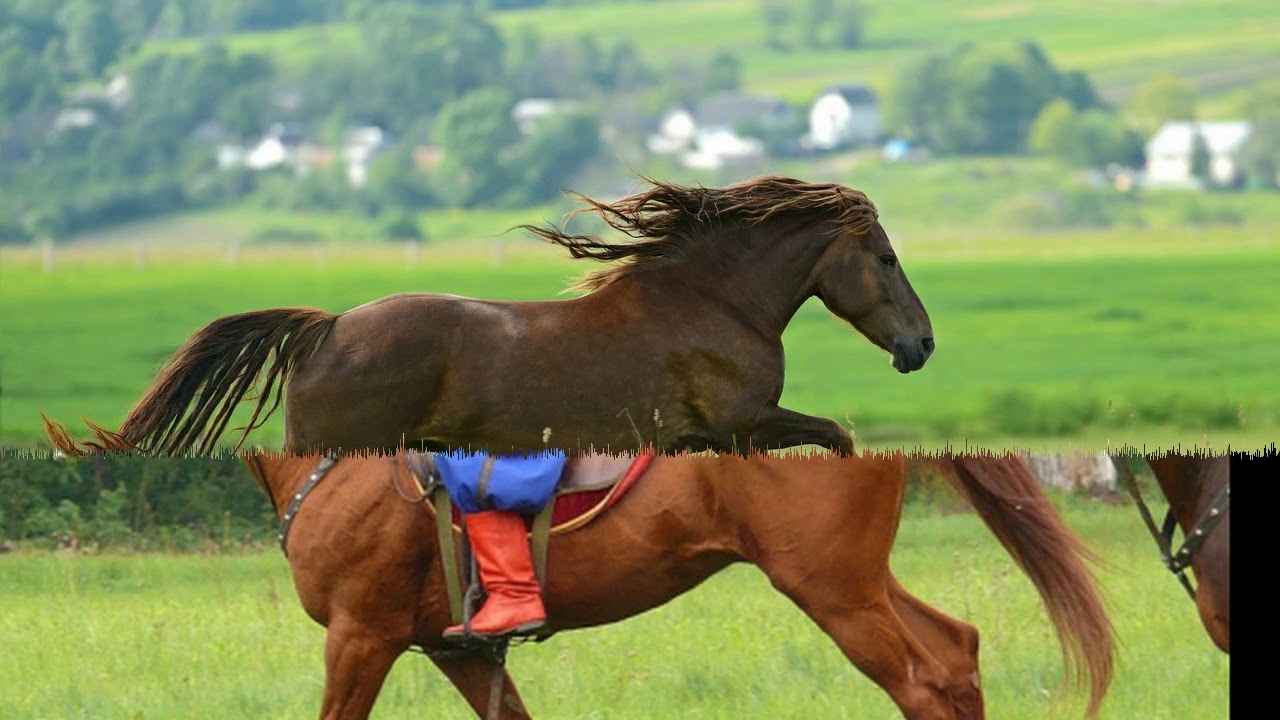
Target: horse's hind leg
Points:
(877, 641)
(474, 677)
(951, 642)
(357, 659)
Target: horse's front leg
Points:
(357, 660)
(777, 428)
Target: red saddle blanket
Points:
(589, 486)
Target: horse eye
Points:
(888, 260)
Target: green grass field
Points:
(1218, 46)
(140, 637)
(1146, 337)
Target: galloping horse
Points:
(366, 566)
(1197, 487)
(677, 344)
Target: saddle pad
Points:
(587, 490)
(513, 483)
(576, 508)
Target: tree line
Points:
(439, 73)
(131, 501)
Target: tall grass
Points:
(224, 636)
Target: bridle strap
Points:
(295, 502)
(1200, 533)
(1177, 563)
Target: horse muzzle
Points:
(910, 355)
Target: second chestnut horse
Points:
(366, 566)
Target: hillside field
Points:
(157, 636)
(1218, 46)
(1146, 337)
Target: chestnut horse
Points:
(366, 566)
(678, 344)
(1195, 485)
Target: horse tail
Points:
(1012, 504)
(191, 402)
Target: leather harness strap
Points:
(295, 503)
(1195, 539)
(540, 539)
(1178, 562)
(443, 505)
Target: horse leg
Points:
(474, 677)
(879, 644)
(357, 659)
(952, 642)
(777, 427)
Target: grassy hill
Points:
(1217, 46)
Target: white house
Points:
(359, 148)
(843, 116)
(527, 113)
(710, 134)
(1169, 152)
(278, 147)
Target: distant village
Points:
(721, 132)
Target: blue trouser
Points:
(516, 483)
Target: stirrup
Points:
(532, 629)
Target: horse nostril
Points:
(927, 344)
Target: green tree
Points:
(25, 82)
(972, 99)
(559, 147)
(402, 226)
(1159, 100)
(1100, 138)
(46, 224)
(627, 69)
(1260, 155)
(815, 16)
(1054, 129)
(91, 37)
(850, 21)
(394, 181)
(475, 130)
(776, 15)
(416, 59)
(724, 72)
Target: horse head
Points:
(860, 279)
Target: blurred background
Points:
(1084, 195)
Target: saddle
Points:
(587, 486)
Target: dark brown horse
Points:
(366, 566)
(677, 344)
(1195, 485)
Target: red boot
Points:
(514, 602)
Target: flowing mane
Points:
(673, 218)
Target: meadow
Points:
(1148, 337)
(160, 636)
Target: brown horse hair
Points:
(1007, 497)
(667, 216)
(192, 400)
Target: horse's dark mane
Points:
(672, 218)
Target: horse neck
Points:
(767, 268)
(1190, 484)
